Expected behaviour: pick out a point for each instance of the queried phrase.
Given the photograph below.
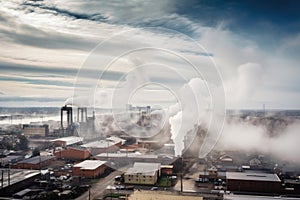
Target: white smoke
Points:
(194, 102)
(196, 107)
(241, 89)
(246, 137)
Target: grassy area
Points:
(112, 195)
(164, 182)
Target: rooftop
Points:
(143, 168)
(162, 195)
(36, 159)
(252, 176)
(17, 175)
(98, 144)
(104, 143)
(69, 140)
(127, 155)
(116, 139)
(90, 164)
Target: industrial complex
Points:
(75, 157)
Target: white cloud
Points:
(75, 27)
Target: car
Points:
(84, 186)
(129, 187)
(154, 188)
(120, 187)
(66, 187)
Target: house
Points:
(89, 168)
(226, 159)
(253, 182)
(255, 162)
(143, 174)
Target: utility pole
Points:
(1, 178)
(181, 174)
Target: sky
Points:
(254, 45)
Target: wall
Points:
(141, 179)
(254, 186)
(73, 154)
(77, 171)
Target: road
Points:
(99, 187)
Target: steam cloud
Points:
(241, 135)
(194, 103)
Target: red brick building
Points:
(166, 169)
(73, 153)
(37, 162)
(89, 168)
(253, 182)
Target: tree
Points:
(23, 143)
(35, 152)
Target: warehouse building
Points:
(37, 162)
(143, 174)
(73, 153)
(111, 144)
(89, 168)
(253, 182)
(36, 130)
(67, 141)
(13, 180)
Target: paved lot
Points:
(99, 187)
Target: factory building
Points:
(253, 182)
(89, 168)
(4, 161)
(36, 130)
(67, 141)
(122, 159)
(143, 174)
(73, 153)
(37, 162)
(111, 144)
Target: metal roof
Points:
(252, 176)
(143, 168)
(69, 140)
(105, 143)
(36, 159)
(17, 175)
(90, 164)
(127, 155)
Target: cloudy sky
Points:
(254, 44)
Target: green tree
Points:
(35, 152)
(23, 143)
